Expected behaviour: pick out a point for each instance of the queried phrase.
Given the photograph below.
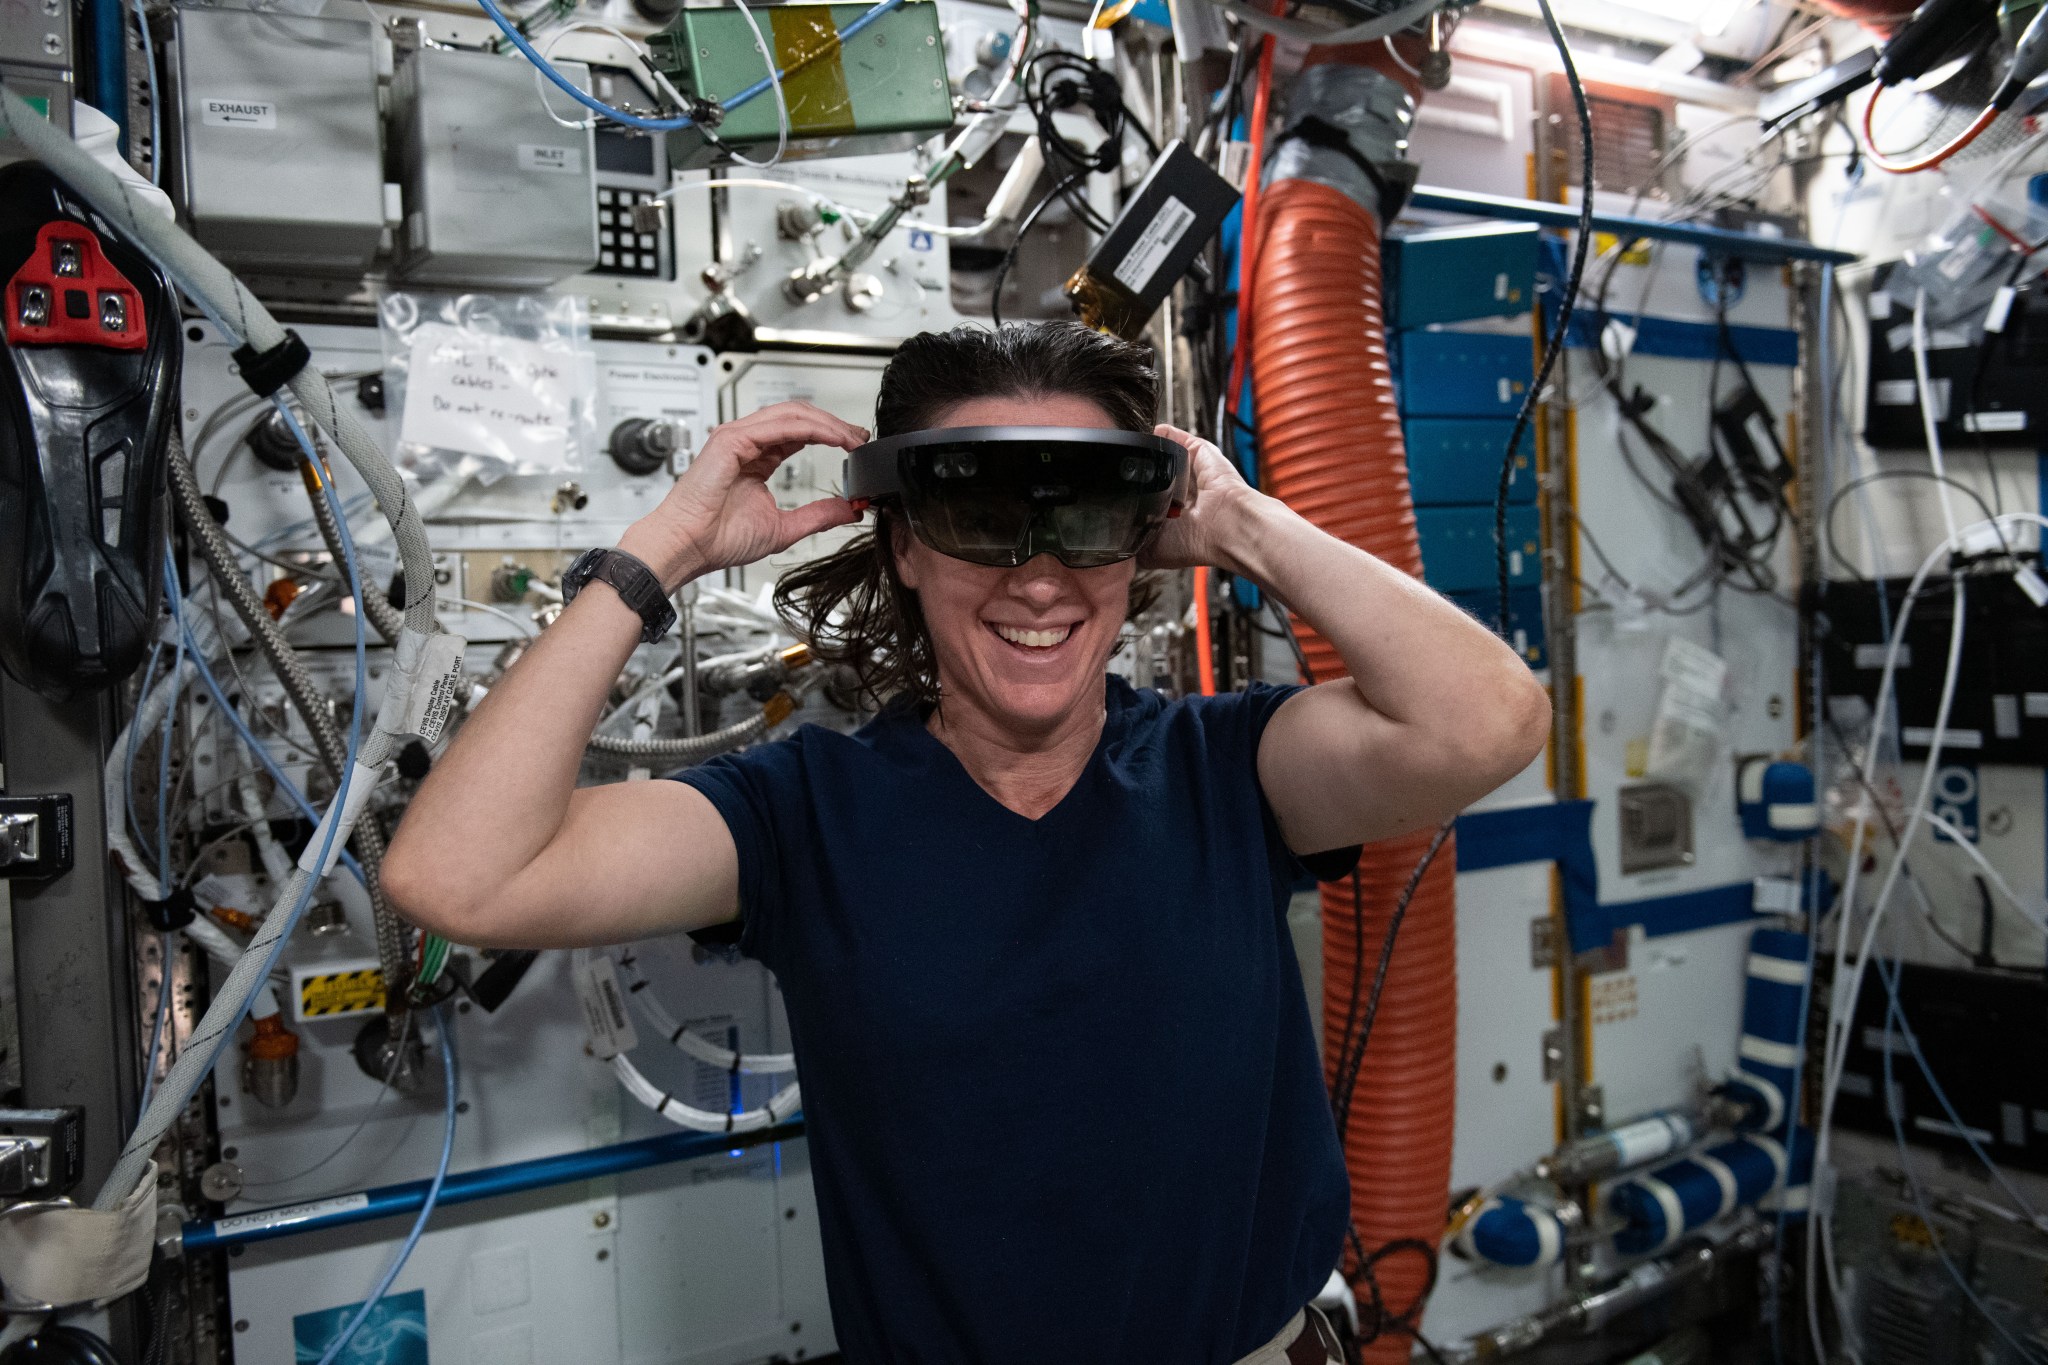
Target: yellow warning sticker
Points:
(332, 993)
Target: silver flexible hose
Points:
(394, 955)
(237, 311)
(386, 618)
(685, 749)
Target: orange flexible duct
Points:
(1205, 647)
(1330, 447)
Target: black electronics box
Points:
(1984, 1035)
(1994, 393)
(1162, 229)
(2000, 711)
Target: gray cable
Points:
(688, 748)
(238, 313)
(394, 954)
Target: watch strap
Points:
(635, 583)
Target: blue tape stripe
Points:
(1561, 832)
(1679, 340)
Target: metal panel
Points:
(278, 153)
(72, 956)
(844, 386)
(37, 32)
(71, 950)
(497, 191)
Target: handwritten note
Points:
(499, 397)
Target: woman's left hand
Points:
(1208, 529)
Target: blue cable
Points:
(156, 1033)
(156, 659)
(255, 746)
(163, 772)
(1894, 1013)
(419, 1225)
(653, 125)
(156, 123)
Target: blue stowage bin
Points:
(1463, 374)
(1456, 460)
(1458, 548)
(1457, 274)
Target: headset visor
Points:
(1000, 495)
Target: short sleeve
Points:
(1260, 701)
(744, 788)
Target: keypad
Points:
(621, 250)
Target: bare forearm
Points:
(501, 792)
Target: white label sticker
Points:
(1880, 305)
(2005, 715)
(2000, 309)
(1995, 421)
(492, 395)
(1904, 393)
(1872, 656)
(1775, 896)
(227, 113)
(2035, 704)
(604, 1008)
(1158, 239)
(1231, 162)
(2031, 584)
(534, 156)
(435, 687)
(289, 1215)
(1922, 737)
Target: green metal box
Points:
(882, 90)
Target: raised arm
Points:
(500, 847)
(1437, 711)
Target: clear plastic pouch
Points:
(486, 385)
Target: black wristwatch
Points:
(634, 582)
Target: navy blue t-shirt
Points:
(1062, 1094)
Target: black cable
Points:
(1566, 306)
(1827, 520)
(995, 298)
(1352, 1064)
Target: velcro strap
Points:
(60, 1254)
(1325, 136)
(265, 372)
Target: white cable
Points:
(785, 1102)
(775, 81)
(218, 294)
(1845, 992)
(1962, 841)
(638, 989)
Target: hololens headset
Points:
(999, 495)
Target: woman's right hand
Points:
(721, 513)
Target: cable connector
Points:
(265, 372)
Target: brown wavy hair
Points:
(851, 605)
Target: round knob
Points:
(644, 445)
(272, 442)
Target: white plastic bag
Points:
(1686, 736)
(487, 385)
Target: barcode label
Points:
(1154, 244)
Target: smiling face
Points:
(1026, 648)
